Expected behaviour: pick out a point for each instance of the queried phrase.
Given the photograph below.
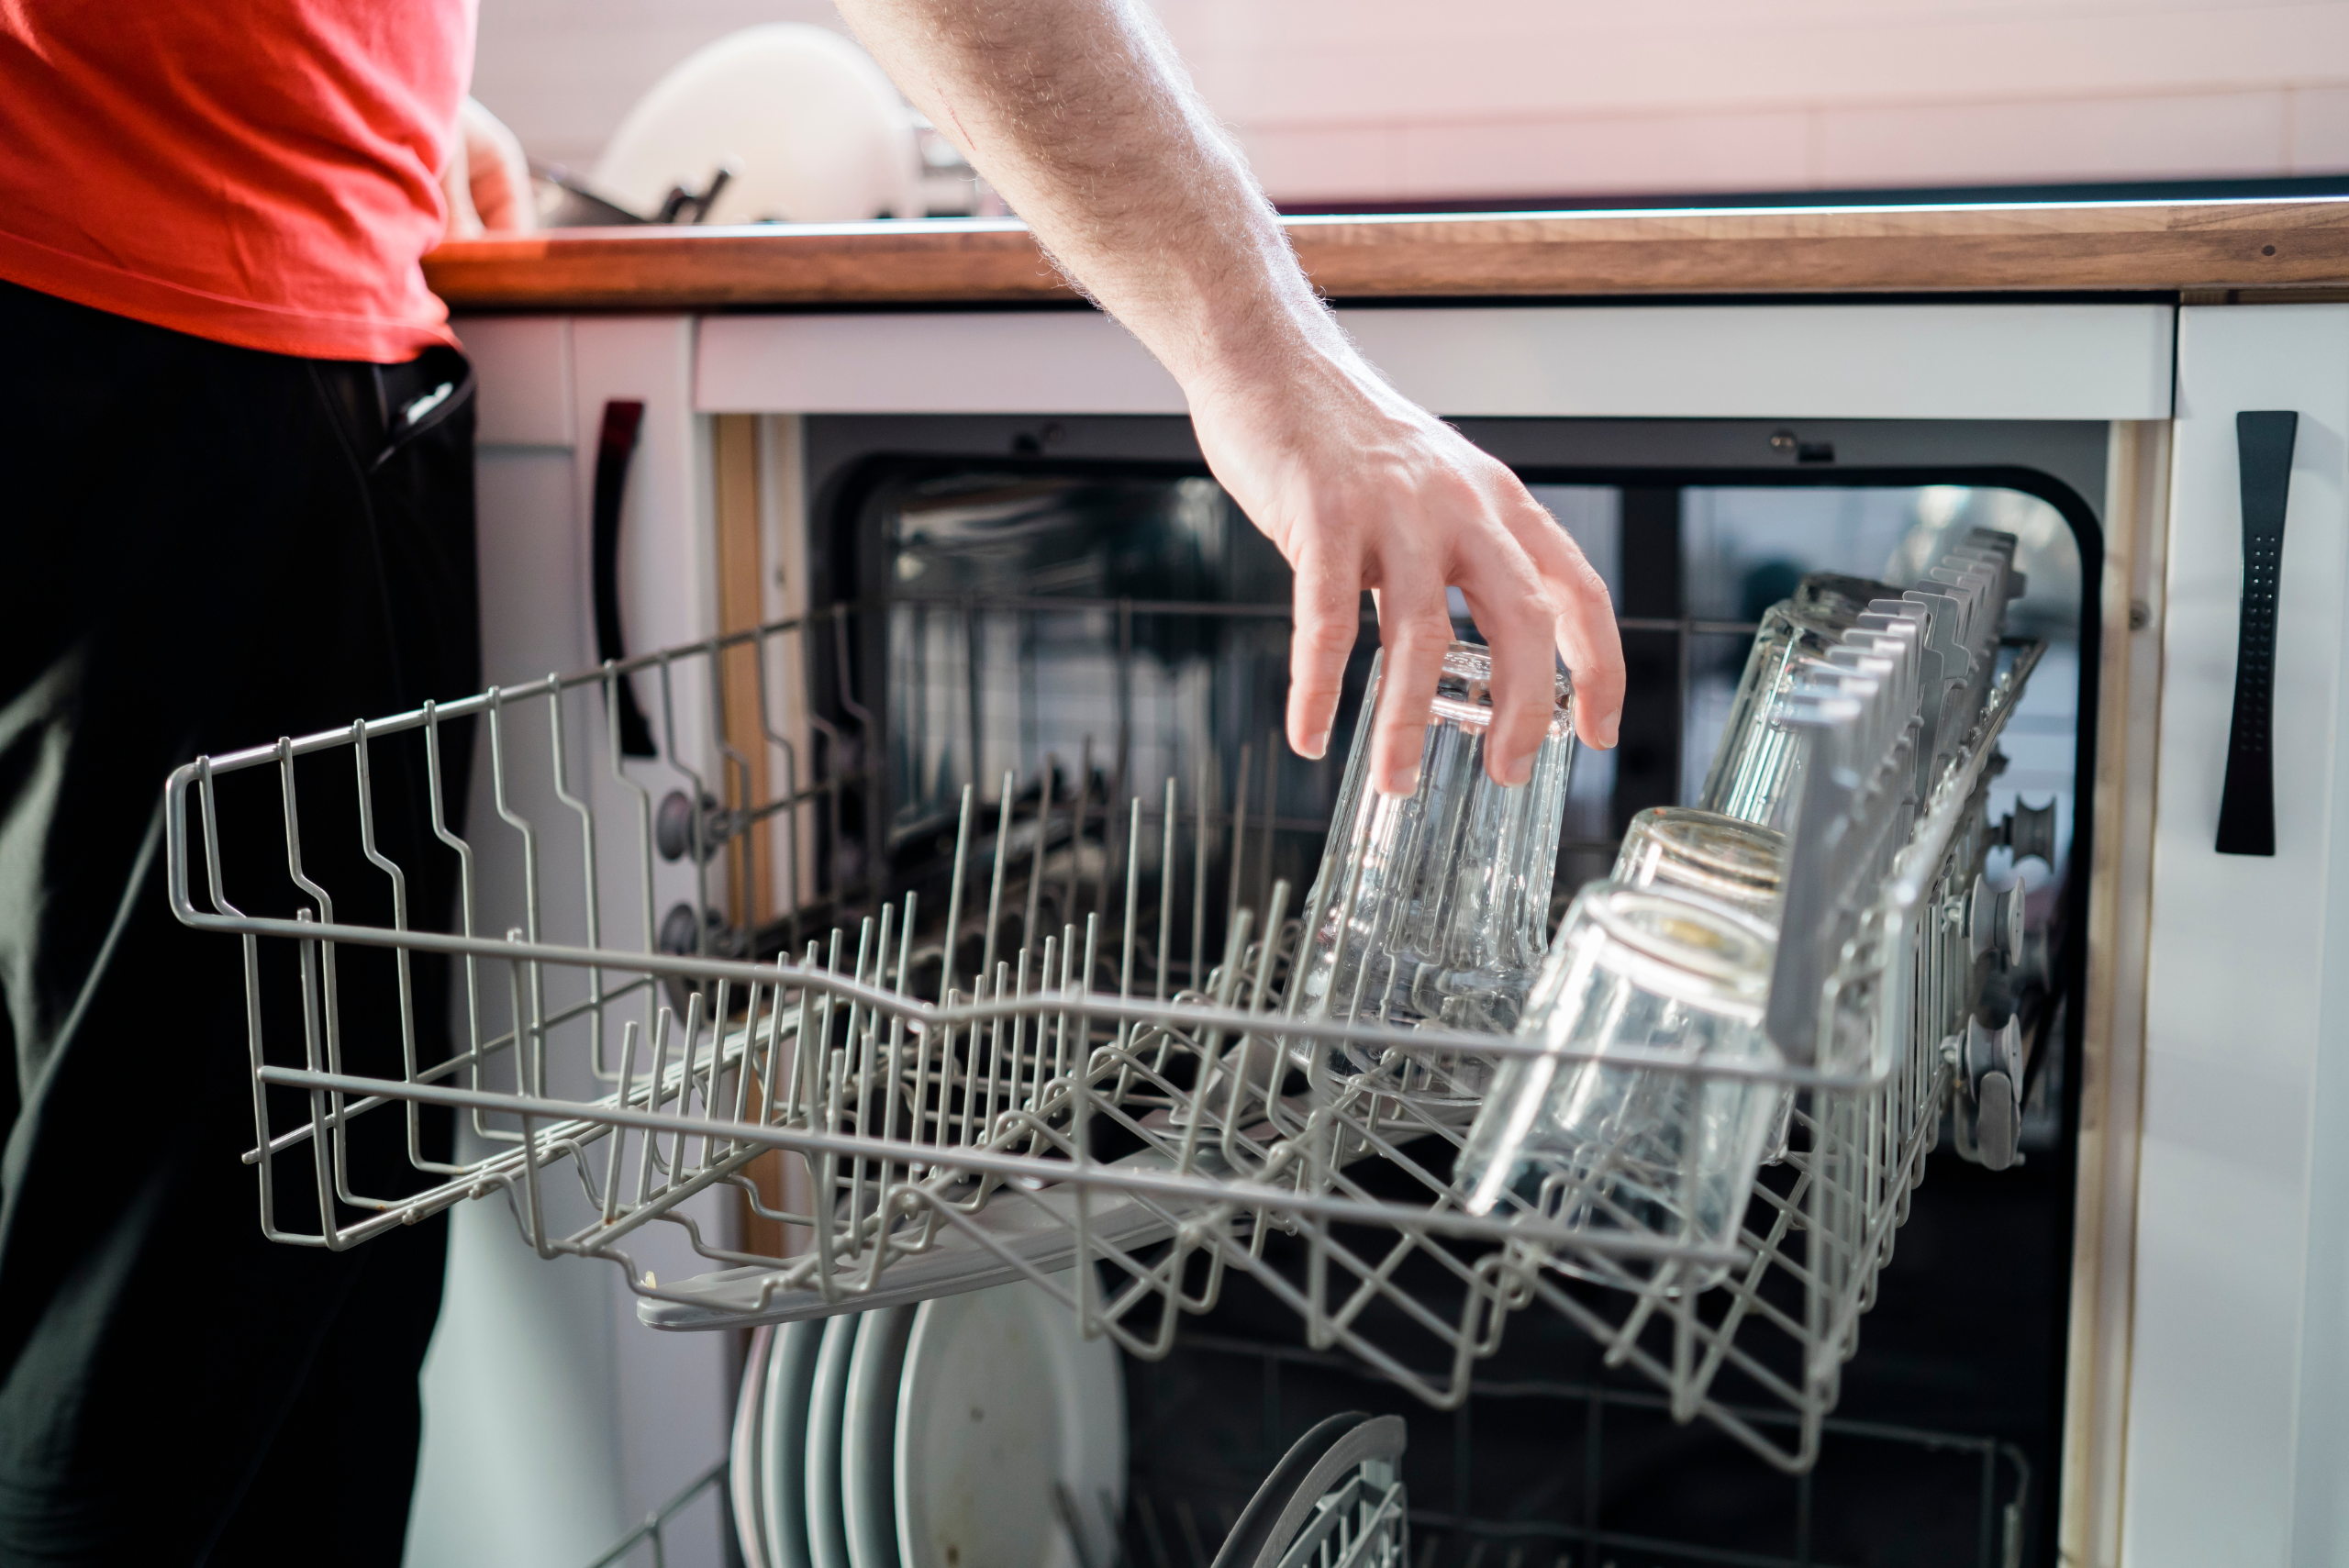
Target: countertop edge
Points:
(2240, 249)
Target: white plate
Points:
(742, 1452)
(1002, 1398)
(812, 126)
(826, 1528)
(869, 1437)
(783, 1442)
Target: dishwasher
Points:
(936, 942)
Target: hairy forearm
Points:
(1079, 113)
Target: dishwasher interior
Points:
(1099, 627)
(1037, 667)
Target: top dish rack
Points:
(998, 1089)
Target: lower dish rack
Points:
(1064, 1112)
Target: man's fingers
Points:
(1518, 624)
(1329, 620)
(1593, 651)
(1415, 631)
(1586, 633)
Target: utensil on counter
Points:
(1433, 908)
(565, 200)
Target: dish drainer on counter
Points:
(1000, 1078)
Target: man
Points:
(235, 502)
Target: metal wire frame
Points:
(653, 1530)
(1453, 1533)
(1043, 1115)
(1125, 612)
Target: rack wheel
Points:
(2030, 831)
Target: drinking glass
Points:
(1741, 864)
(1738, 863)
(1433, 909)
(1756, 775)
(1635, 1151)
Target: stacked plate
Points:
(969, 1431)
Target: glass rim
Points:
(1819, 596)
(1613, 907)
(1706, 838)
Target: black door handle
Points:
(2247, 804)
(614, 449)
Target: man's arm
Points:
(1079, 113)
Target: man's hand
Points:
(1360, 488)
(1079, 112)
(487, 185)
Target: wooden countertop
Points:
(2198, 249)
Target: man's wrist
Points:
(1284, 353)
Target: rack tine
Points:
(657, 1093)
(1238, 836)
(1133, 893)
(860, 1059)
(1076, 826)
(685, 1084)
(1165, 890)
(1044, 978)
(994, 889)
(955, 893)
(1198, 977)
(1271, 804)
(1036, 861)
(619, 1134)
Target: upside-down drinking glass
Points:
(1738, 864)
(1757, 772)
(1433, 908)
(1665, 1152)
(1741, 864)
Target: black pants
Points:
(204, 547)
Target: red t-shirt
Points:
(260, 173)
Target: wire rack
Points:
(648, 1541)
(965, 1087)
(1210, 1418)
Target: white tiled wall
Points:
(1398, 99)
